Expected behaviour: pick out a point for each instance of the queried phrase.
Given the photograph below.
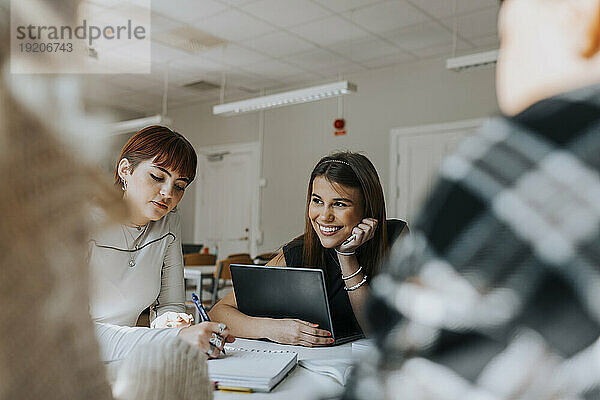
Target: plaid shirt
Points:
(497, 293)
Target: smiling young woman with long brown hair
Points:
(346, 235)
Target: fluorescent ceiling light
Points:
(135, 125)
(286, 98)
(472, 61)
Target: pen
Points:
(202, 311)
(234, 389)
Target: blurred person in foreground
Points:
(47, 345)
(497, 293)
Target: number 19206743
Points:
(37, 47)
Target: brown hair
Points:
(168, 149)
(356, 171)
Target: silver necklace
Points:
(134, 247)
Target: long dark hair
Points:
(168, 149)
(356, 171)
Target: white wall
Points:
(296, 137)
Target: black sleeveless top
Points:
(342, 315)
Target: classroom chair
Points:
(199, 259)
(264, 258)
(222, 271)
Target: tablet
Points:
(285, 292)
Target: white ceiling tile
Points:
(286, 13)
(442, 50)
(233, 94)
(316, 60)
(329, 30)
(138, 3)
(278, 44)
(419, 36)
(486, 41)
(194, 68)
(176, 103)
(103, 3)
(97, 12)
(256, 85)
(480, 23)
(237, 78)
(247, 92)
(342, 69)
(104, 89)
(145, 101)
(365, 49)
(388, 61)
(445, 8)
(158, 71)
(387, 16)
(233, 25)
(162, 54)
(273, 69)
(233, 77)
(160, 23)
(187, 10)
(304, 79)
(237, 2)
(346, 5)
(195, 62)
(234, 55)
(125, 104)
(152, 90)
(134, 81)
(182, 93)
(134, 85)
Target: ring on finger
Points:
(222, 327)
(216, 340)
(212, 349)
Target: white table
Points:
(196, 273)
(300, 383)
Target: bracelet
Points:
(344, 254)
(352, 275)
(351, 288)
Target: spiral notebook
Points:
(247, 367)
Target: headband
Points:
(337, 161)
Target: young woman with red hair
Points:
(139, 263)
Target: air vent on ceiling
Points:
(188, 39)
(201, 86)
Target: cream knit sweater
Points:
(47, 345)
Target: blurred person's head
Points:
(47, 344)
(349, 183)
(154, 168)
(547, 47)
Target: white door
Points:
(227, 199)
(416, 155)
